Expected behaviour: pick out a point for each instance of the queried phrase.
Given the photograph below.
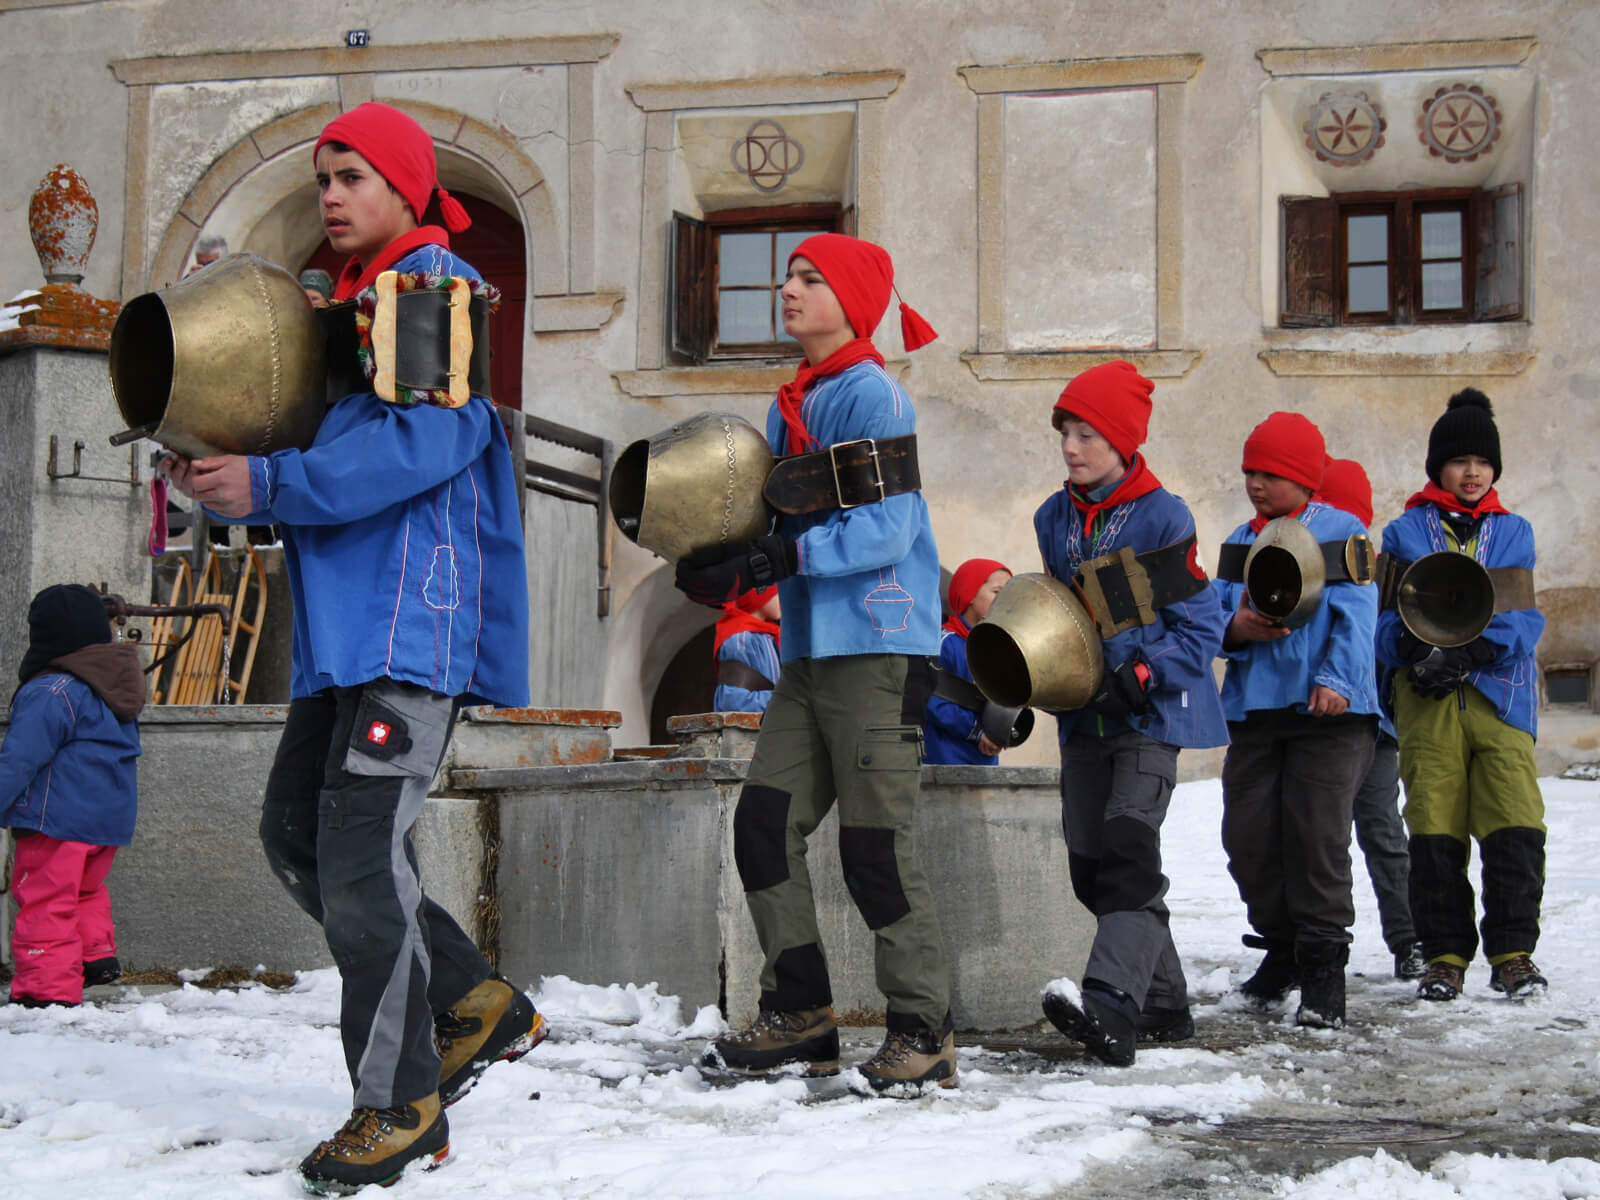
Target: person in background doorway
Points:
(318, 286)
(207, 250)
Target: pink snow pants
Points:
(63, 916)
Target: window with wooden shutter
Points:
(1308, 260)
(1500, 241)
(692, 306)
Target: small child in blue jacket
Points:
(954, 735)
(1466, 719)
(1302, 721)
(69, 792)
(1119, 754)
(744, 647)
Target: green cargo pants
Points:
(847, 729)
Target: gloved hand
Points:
(1411, 648)
(1441, 672)
(719, 575)
(1123, 692)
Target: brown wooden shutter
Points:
(1308, 295)
(847, 221)
(1497, 295)
(693, 310)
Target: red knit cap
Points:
(1345, 486)
(1288, 445)
(861, 274)
(969, 577)
(401, 151)
(1112, 397)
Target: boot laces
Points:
(365, 1128)
(1514, 970)
(766, 1021)
(448, 1026)
(896, 1050)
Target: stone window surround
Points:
(1400, 351)
(661, 103)
(561, 267)
(1167, 74)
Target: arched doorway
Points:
(688, 685)
(494, 244)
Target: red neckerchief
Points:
(736, 620)
(792, 393)
(1259, 521)
(1139, 481)
(957, 626)
(1432, 493)
(353, 280)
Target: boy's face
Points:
(1273, 495)
(979, 608)
(811, 311)
(1468, 478)
(1091, 460)
(360, 211)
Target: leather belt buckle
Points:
(870, 459)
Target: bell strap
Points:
(733, 673)
(1349, 560)
(422, 357)
(1122, 589)
(1513, 586)
(963, 693)
(844, 475)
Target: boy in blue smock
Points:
(1302, 721)
(1119, 754)
(954, 733)
(744, 646)
(858, 572)
(1466, 717)
(403, 546)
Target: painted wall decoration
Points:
(767, 155)
(1345, 128)
(1459, 123)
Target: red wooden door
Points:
(494, 246)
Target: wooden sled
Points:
(214, 664)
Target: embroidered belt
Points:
(424, 340)
(845, 475)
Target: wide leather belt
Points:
(1513, 586)
(733, 673)
(1122, 590)
(844, 475)
(421, 346)
(1347, 561)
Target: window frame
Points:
(696, 284)
(1315, 261)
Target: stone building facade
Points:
(1349, 210)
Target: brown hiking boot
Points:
(1442, 981)
(375, 1145)
(911, 1061)
(494, 1022)
(775, 1039)
(1518, 978)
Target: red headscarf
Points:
(861, 275)
(1345, 486)
(739, 617)
(964, 584)
(1115, 399)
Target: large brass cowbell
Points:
(1038, 646)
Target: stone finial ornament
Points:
(62, 220)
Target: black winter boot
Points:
(1321, 983)
(1105, 1020)
(1275, 978)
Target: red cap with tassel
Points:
(861, 275)
(401, 151)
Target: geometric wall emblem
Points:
(767, 155)
(1345, 128)
(1459, 123)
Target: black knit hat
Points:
(1467, 427)
(62, 618)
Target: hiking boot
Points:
(775, 1039)
(1410, 962)
(100, 971)
(1102, 1018)
(375, 1145)
(1275, 978)
(1441, 981)
(1165, 1025)
(1321, 984)
(494, 1022)
(1518, 978)
(911, 1061)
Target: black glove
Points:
(1481, 651)
(719, 575)
(1441, 672)
(1411, 648)
(1123, 692)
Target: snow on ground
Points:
(196, 1093)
